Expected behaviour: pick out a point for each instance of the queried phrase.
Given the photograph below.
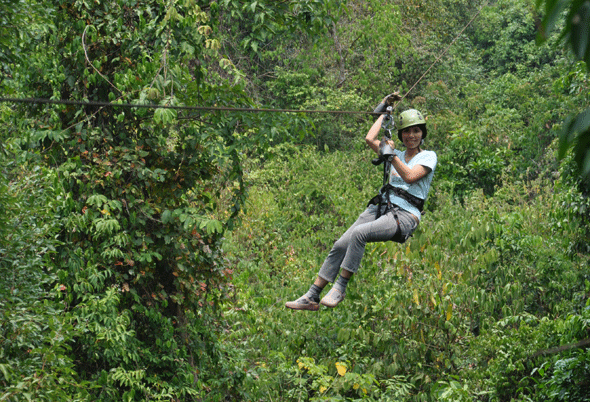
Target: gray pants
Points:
(348, 251)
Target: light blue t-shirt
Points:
(421, 187)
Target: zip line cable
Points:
(153, 106)
(229, 109)
(443, 53)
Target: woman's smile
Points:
(412, 136)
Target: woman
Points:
(393, 215)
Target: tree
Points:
(147, 193)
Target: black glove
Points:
(387, 101)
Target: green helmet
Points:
(411, 117)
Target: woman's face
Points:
(412, 137)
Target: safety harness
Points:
(386, 192)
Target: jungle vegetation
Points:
(146, 253)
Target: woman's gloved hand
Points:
(386, 148)
(391, 98)
(387, 101)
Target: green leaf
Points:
(166, 216)
(580, 34)
(164, 116)
(97, 200)
(574, 126)
(553, 10)
(5, 373)
(212, 226)
(106, 226)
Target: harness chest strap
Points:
(388, 188)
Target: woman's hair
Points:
(421, 126)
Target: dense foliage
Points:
(465, 310)
(146, 253)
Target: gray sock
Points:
(314, 293)
(341, 283)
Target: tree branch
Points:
(581, 344)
